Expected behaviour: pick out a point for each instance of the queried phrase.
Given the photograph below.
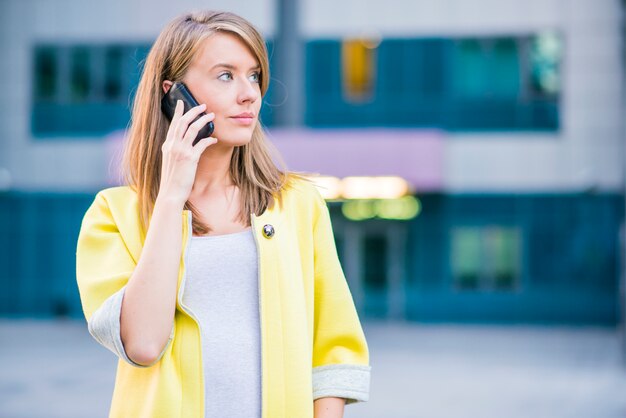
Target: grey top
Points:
(221, 290)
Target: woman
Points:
(213, 275)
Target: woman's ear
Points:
(167, 85)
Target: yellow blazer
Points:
(312, 343)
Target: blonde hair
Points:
(252, 169)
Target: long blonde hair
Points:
(252, 168)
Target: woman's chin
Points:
(233, 141)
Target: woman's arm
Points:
(340, 353)
(149, 301)
(328, 407)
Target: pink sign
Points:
(415, 155)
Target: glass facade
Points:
(457, 84)
(87, 90)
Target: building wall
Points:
(587, 151)
(556, 260)
(559, 189)
(566, 273)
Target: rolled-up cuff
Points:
(104, 326)
(348, 381)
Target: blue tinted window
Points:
(85, 90)
(488, 83)
(113, 72)
(80, 83)
(46, 73)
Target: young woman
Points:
(213, 275)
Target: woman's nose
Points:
(248, 92)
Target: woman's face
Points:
(225, 76)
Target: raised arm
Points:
(130, 306)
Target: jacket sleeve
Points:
(340, 353)
(103, 267)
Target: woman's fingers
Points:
(203, 144)
(178, 111)
(194, 128)
(184, 121)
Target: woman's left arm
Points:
(340, 354)
(328, 407)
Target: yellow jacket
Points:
(312, 344)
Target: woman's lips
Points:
(243, 120)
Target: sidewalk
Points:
(51, 369)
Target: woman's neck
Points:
(213, 172)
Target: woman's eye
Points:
(223, 75)
(256, 77)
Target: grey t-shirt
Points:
(221, 289)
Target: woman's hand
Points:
(180, 157)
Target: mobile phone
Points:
(179, 91)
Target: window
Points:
(485, 258)
(358, 69)
(46, 70)
(375, 281)
(486, 68)
(83, 89)
(544, 60)
(523, 68)
(457, 84)
(80, 83)
(113, 71)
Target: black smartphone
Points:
(179, 91)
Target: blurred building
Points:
(505, 117)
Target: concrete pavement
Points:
(51, 369)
